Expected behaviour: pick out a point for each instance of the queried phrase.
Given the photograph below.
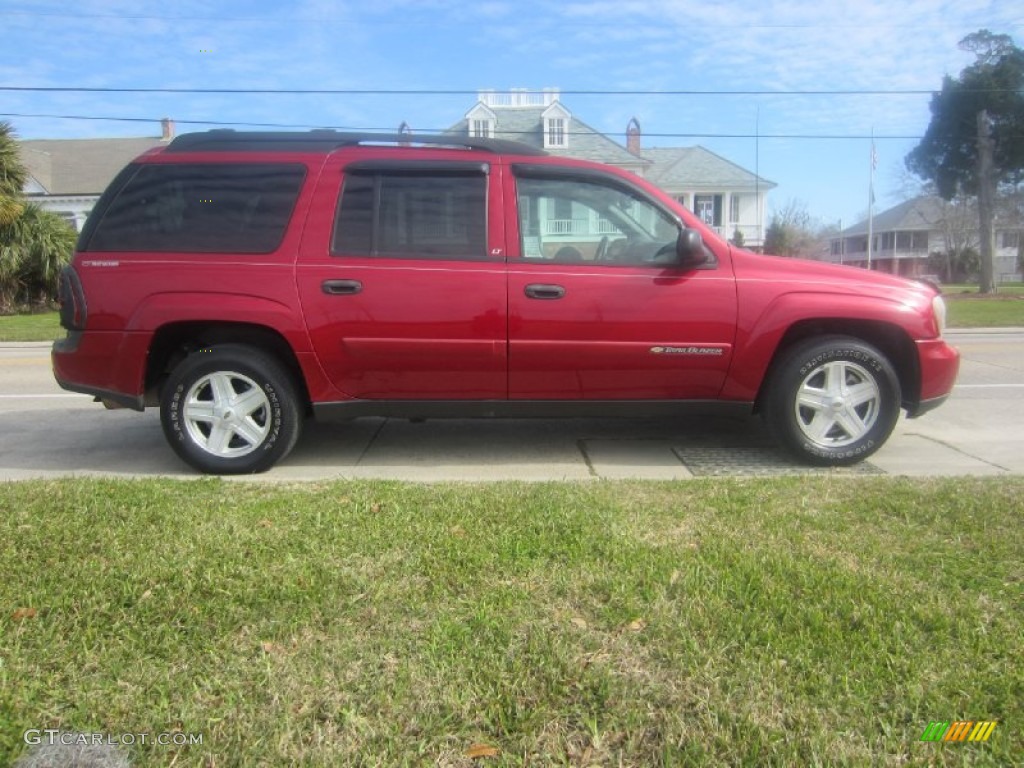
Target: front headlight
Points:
(939, 309)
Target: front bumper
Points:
(939, 365)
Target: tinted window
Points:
(426, 215)
(201, 208)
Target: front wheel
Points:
(230, 409)
(832, 401)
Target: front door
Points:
(596, 309)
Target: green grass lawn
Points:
(966, 309)
(43, 326)
(1006, 289)
(984, 313)
(797, 621)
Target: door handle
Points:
(341, 287)
(542, 291)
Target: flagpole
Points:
(757, 176)
(871, 196)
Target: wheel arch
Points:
(890, 339)
(173, 342)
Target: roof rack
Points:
(324, 140)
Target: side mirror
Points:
(690, 251)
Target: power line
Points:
(177, 121)
(405, 21)
(310, 126)
(474, 93)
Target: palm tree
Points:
(12, 175)
(34, 244)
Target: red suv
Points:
(244, 281)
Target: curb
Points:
(982, 331)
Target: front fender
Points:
(761, 331)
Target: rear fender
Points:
(210, 309)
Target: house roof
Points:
(79, 166)
(919, 214)
(698, 168)
(526, 124)
(671, 168)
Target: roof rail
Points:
(324, 140)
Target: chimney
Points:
(167, 127)
(633, 136)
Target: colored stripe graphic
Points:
(958, 730)
(982, 731)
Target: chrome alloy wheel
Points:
(227, 414)
(837, 404)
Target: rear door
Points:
(596, 309)
(402, 277)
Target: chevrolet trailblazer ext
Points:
(244, 281)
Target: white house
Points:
(727, 197)
(903, 237)
(67, 176)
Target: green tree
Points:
(790, 231)
(34, 244)
(12, 176)
(973, 142)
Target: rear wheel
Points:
(230, 409)
(832, 401)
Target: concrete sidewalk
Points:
(46, 432)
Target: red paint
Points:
(422, 328)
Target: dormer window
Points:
(555, 134)
(481, 122)
(556, 126)
(481, 129)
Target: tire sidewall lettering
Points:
(853, 355)
(276, 416)
(177, 411)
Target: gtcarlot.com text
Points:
(53, 736)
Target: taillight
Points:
(71, 298)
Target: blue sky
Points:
(764, 47)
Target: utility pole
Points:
(986, 207)
(871, 196)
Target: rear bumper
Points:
(939, 365)
(110, 366)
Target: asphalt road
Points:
(46, 432)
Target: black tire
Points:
(230, 409)
(849, 400)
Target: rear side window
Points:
(200, 208)
(436, 215)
